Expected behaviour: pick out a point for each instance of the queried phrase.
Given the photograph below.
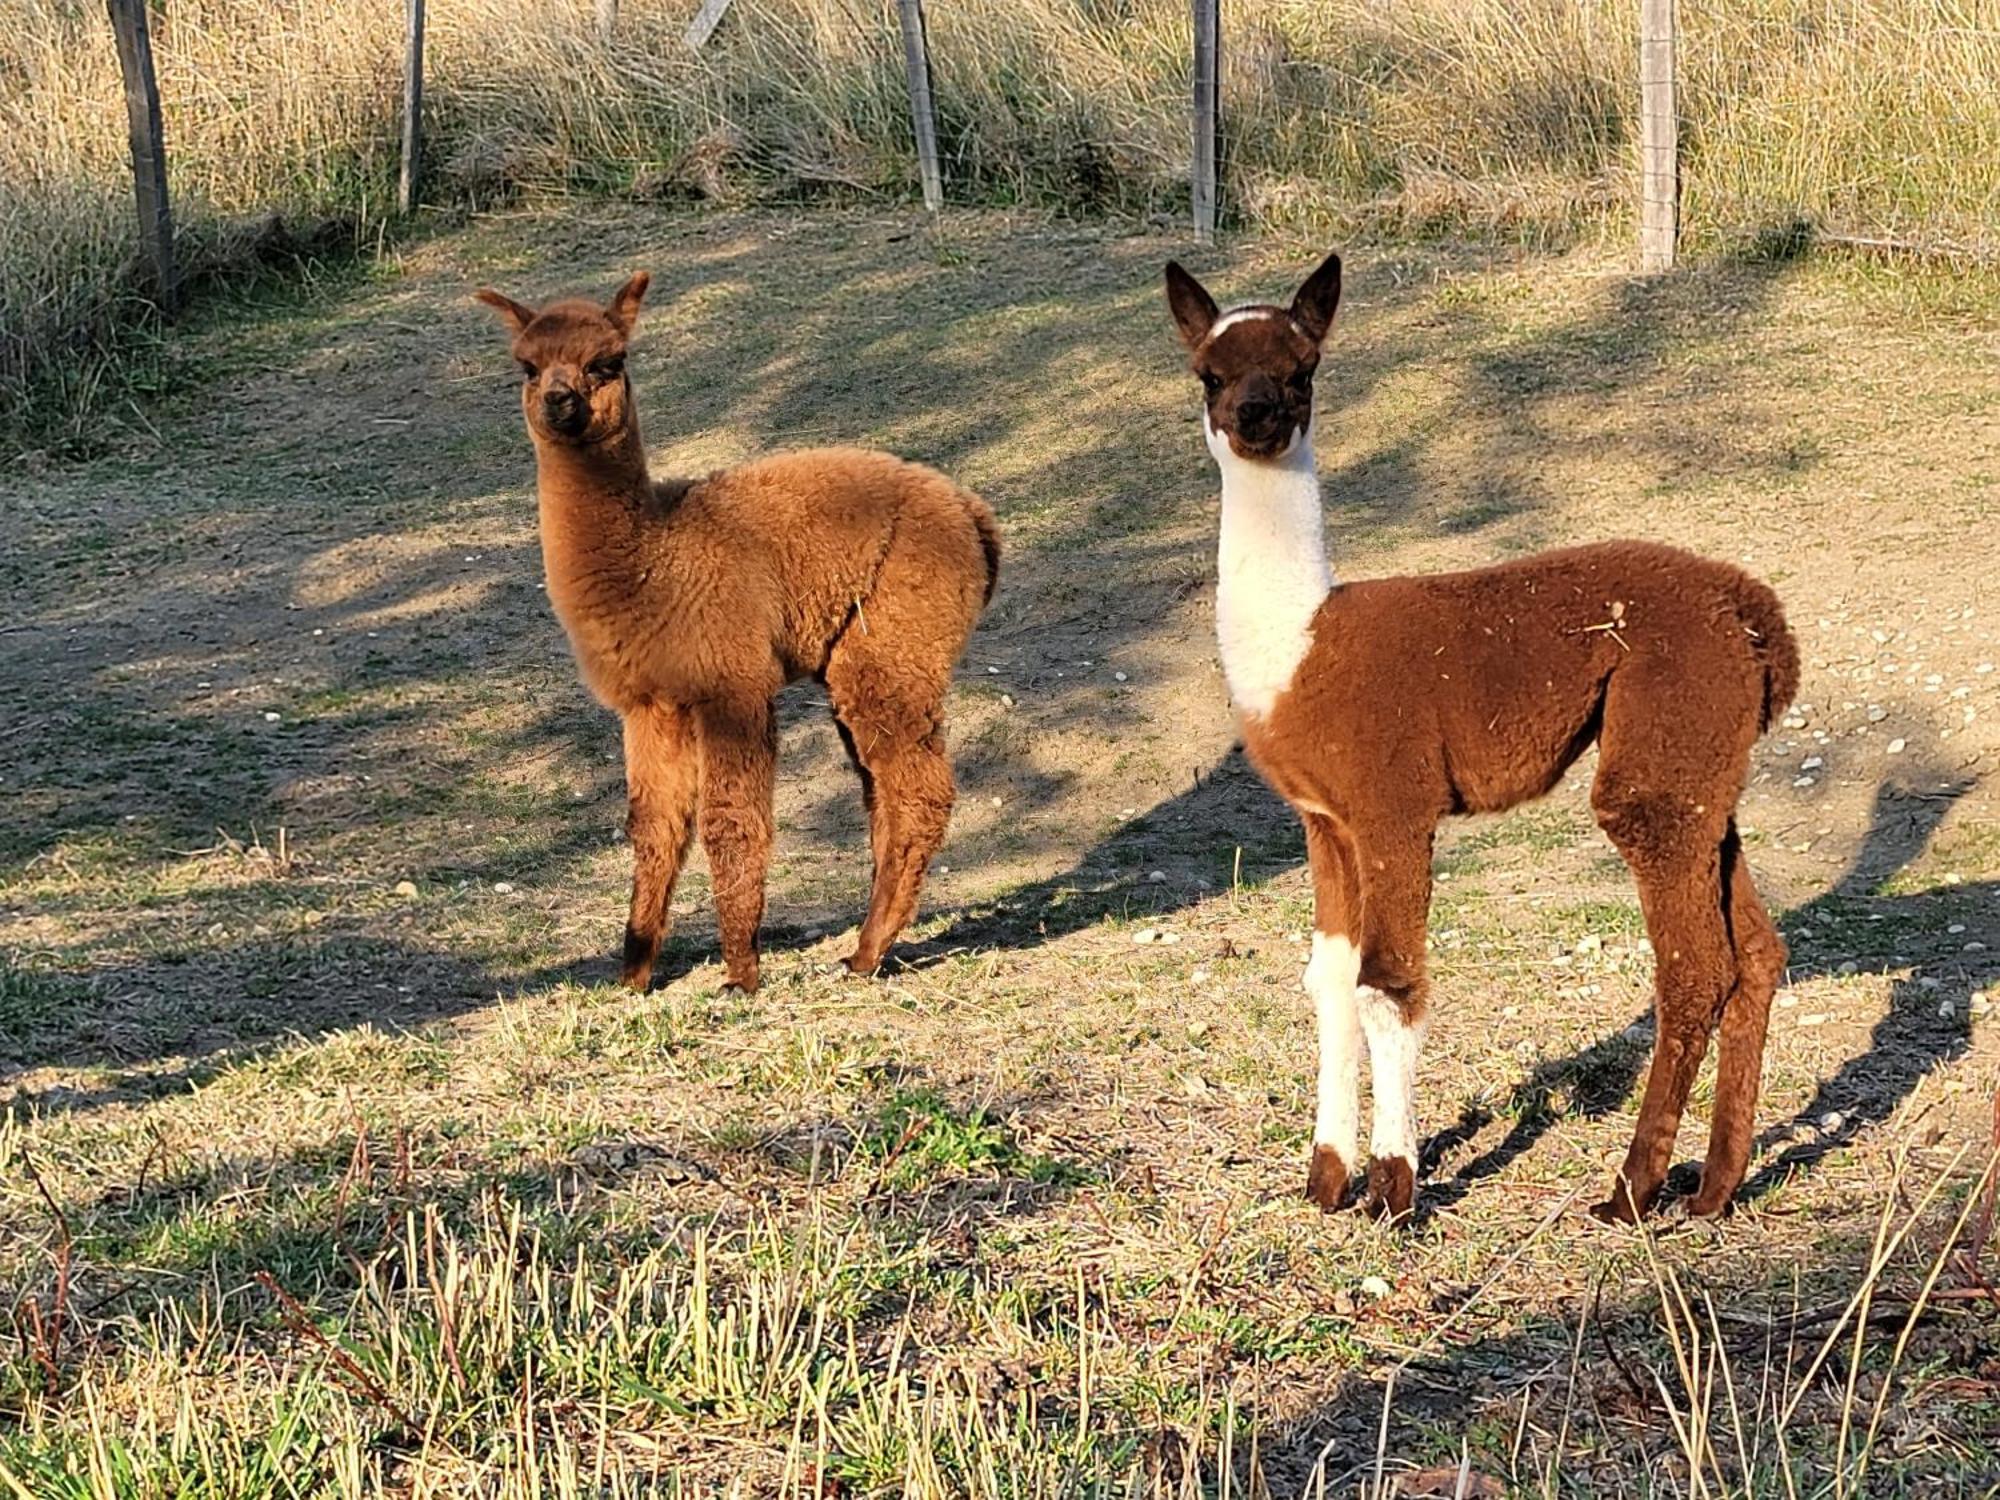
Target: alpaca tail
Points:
(989, 538)
(1772, 642)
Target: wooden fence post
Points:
(702, 26)
(607, 20)
(413, 108)
(1659, 139)
(1207, 109)
(149, 148)
(917, 65)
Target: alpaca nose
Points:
(563, 407)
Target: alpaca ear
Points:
(1312, 308)
(516, 316)
(623, 308)
(1193, 309)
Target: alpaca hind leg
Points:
(1680, 890)
(1760, 964)
(739, 751)
(914, 795)
(662, 780)
(1394, 1001)
(887, 677)
(1331, 979)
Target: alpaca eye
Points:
(1302, 382)
(608, 369)
(527, 369)
(1211, 383)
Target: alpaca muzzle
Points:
(565, 411)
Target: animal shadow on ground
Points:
(1835, 933)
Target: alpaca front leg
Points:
(1395, 1031)
(662, 781)
(739, 752)
(1330, 980)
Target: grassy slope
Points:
(1020, 1215)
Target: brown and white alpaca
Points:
(689, 603)
(1376, 708)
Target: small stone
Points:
(1897, 747)
(1849, 967)
(1199, 976)
(1375, 1287)
(1146, 936)
(1119, 677)
(1811, 763)
(1973, 947)
(1815, 1018)
(996, 801)
(1805, 781)
(406, 888)
(992, 671)
(1157, 877)
(1510, 1010)
(1590, 943)
(1198, 1029)
(1831, 1121)
(1955, 928)
(1786, 1002)
(1876, 713)
(503, 887)
(1195, 1086)
(1928, 983)
(1006, 700)
(1946, 1010)
(271, 717)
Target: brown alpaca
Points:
(1376, 708)
(689, 603)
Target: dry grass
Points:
(332, 1160)
(1859, 117)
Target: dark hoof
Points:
(1326, 1179)
(1621, 1207)
(1707, 1205)
(1392, 1189)
(640, 951)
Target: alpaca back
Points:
(825, 520)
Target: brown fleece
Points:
(689, 603)
(1474, 692)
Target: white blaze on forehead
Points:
(1244, 315)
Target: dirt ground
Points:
(311, 878)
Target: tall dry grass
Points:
(1860, 117)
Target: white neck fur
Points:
(1272, 572)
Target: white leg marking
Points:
(1393, 1045)
(1330, 980)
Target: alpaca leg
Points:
(1760, 964)
(739, 751)
(1330, 980)
(1680, 890)
(1394, 1001)
(887, 677)
(914, 796)
(662, 781)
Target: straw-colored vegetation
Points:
(1874, 117)
(332, 1163)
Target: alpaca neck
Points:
(592, 499)
(1271, 573)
